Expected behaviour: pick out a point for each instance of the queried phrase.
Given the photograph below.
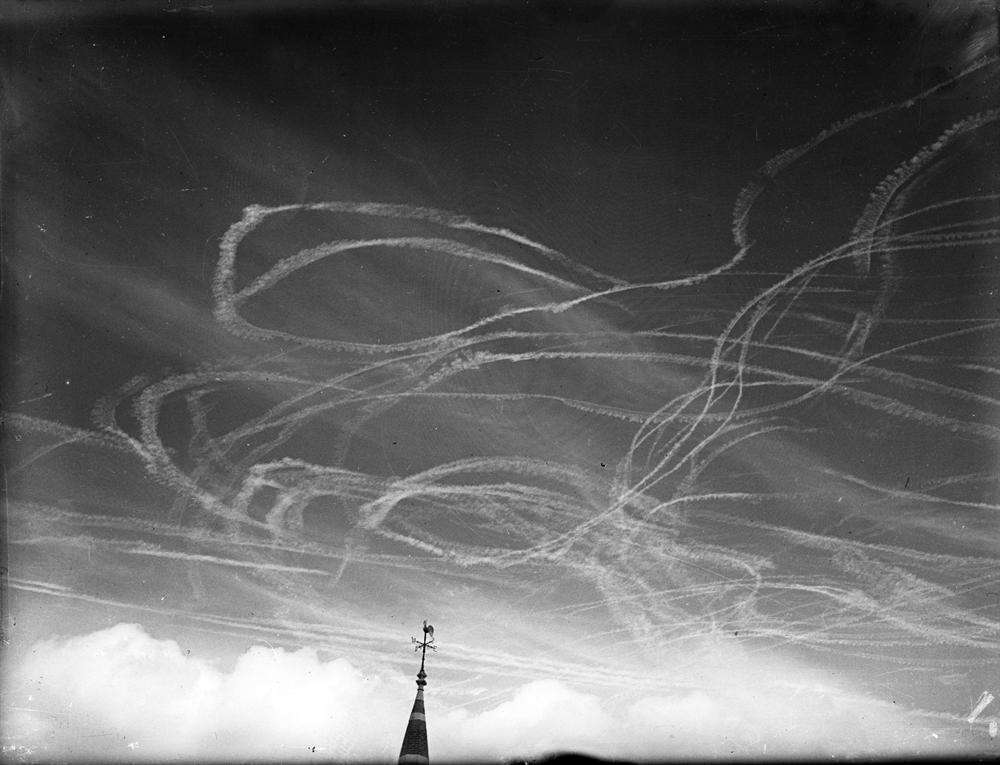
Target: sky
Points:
(648, 351)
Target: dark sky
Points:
(659, 338)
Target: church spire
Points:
(414, 749)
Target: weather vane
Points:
(422, 646)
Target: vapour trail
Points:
(701, 509)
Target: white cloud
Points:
(744, 717)
(95, 694)
(119, 692)
(540, 717)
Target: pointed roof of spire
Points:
(414, 748)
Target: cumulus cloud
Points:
(120, 693)
(746, 717)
